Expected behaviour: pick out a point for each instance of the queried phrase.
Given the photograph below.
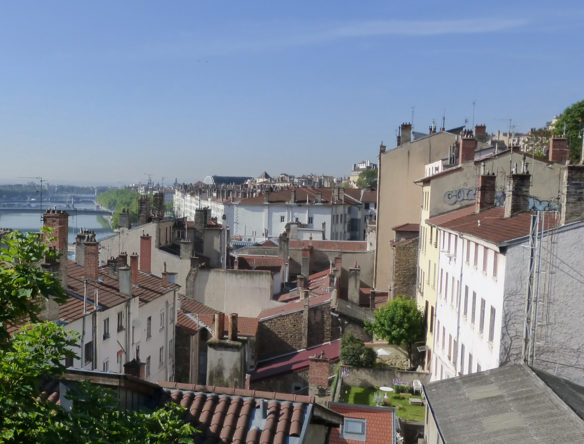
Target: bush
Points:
(354, 352)
(401, 388)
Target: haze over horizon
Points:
(110, 92)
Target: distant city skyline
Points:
(111, 92)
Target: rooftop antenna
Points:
(413, 109)
(474, 102)
(443, 121)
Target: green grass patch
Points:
(366, 396)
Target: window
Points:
(465, 307)
(454, 352)
(281, 218)
(450, 347)
(149, 327)
(452, 292)
(148, 367)
(485, 259)
(161, 320)
(171, 315)
(355, 429)
(120, 321)
(161, 356)
(467, 251)
(462, 358)
(476, 254)
(443, 337)
(105, 366)
(310, 220)
(426, 313)
(432, 319)
(429, 272)
(473, 308)
(106, 333)
(446, 287)
(133, 334)
(495, 260)
(470, 363)
(455, 244)
(88, 353)
(482, 318)
(449, 241)
(69, 361)
(492, 324)
(434, 278)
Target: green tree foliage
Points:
(118, 200)
(24, 286)
(571, 122)
(367, 179)
(538, 140)
(400, 323)
(354, 352)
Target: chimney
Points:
(125, 221)
(305, 264)
(372, 299)
(219, 326)
(383, 148)
(146, 253)
(354, 284)
(134, 267)
(143, 210)
(79, 248)
(517, 194)
(485, 197)
(572, 196)
(305, 319)
(122, 259)
(135, 368)
(232, 327)
(559, 151)
(186, 249)
(58, 221)
(300, 281)
(165, 277)
(468, 145)
(318, 375)
(406, 133)
(293, 195)
(480, 132)
(266, 197)
(91, 260)
(125, 276)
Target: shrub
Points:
(354, 352)
(398, 388)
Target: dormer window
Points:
(355, 429)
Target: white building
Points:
(341, 214)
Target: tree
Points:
(400, 323)
(24, 285)
(354, 352)
(570, 123)
(367, 179)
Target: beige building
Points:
(399, 198)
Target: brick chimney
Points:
(91, 260)
(480, 132)
(382, 148)
(134, 267)
(559, 150)
(318, 375)
(58, 221)
(354, 284)
(80, 240)
(301, 281)
(468, 145)
(405, 133)
(232, 327)
(146, 253)
(572, 195)
(165, 277)
(305, 264)
(517, 194)
(122, 259)
(485, 196)
(219, 327)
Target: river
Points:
(32, 222)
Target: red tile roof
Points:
(491, 225)
(379, 423)
(318, 284)
(329, 245)
(407, 227)
(259, 262)
(296, 361)
(292, 307)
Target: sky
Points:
(114, 92)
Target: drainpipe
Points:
(462, 256)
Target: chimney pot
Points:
(219, 325)
(232, 327)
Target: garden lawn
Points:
(365, 396)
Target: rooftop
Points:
(378, 423)
(508, 404)
(329, 245)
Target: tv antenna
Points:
(474, 102)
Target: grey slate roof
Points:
(510, 404)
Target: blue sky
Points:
(110, 91)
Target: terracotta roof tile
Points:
(379, 423)
(294, 306)
(491, 225)
(407, 227)
(252, 262)
(329, 245)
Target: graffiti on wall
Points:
(461, 195)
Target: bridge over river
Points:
(71, 211)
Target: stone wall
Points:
(285, 383)
(370, 377)
(405, 264)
